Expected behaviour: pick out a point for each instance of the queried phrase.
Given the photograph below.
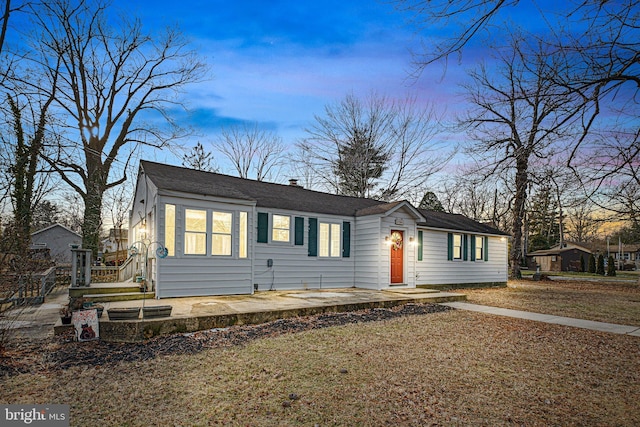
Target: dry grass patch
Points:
(612, 302)
(451, 368)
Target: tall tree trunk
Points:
(19, 194)
(522, 165)
(93, 198)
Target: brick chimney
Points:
(294, 183)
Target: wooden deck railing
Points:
(29, 288)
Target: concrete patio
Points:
(201, 313)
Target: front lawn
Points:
(447, 368)
(604, 301)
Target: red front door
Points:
(397, 256)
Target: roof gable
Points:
(557, 250)
(386, 209)
(51, 227)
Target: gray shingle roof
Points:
(448, 221)
(280, 196)
(265, 194)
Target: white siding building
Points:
(225, 235)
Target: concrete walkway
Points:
(549, 318)
(36, 322)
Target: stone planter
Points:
(91, 306)
(126, 313)
(153, 312)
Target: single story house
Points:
(58, 240)
(626, 255)
(565, 257)
(226, 235)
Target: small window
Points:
(243, 243)
(479, 248)
(457, 246)
(329, 240)
(281, 228)
(170, 229)
(195, 234)
(221, 233)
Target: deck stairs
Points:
(109, 292)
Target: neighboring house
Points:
(115, 248)
(565, 257)
(118, 240)
(627, 256)
(58, 239)
(227, 235)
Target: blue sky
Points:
(280, 62)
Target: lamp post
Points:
(141, 247)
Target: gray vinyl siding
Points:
(205, 276)
(292, 266)
(435, 269)
(366, 251)
(199, 275)
(58, 240)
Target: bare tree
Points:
(600, 39)
(464, 19)
(582, 224)
(519, 114)
(470, 193)
(116, 85)
(254, 153)
(25, 136)
(7, 11)
(374, 147)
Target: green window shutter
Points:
(263, 227)
(450, 246)
(299, 231)
(473, 247)
(346, 239)
(313, 236)
(420, 245)
(486, 248)
(464, 247)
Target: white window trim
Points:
(329, 251)
(230, 234)
(272, 229)
(453, 248)
(480, 255)
(206, 232)
(243, 228)
(171, 252)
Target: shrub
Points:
(611, 267)
(583, 264)
(600, 268)
(592, 264)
